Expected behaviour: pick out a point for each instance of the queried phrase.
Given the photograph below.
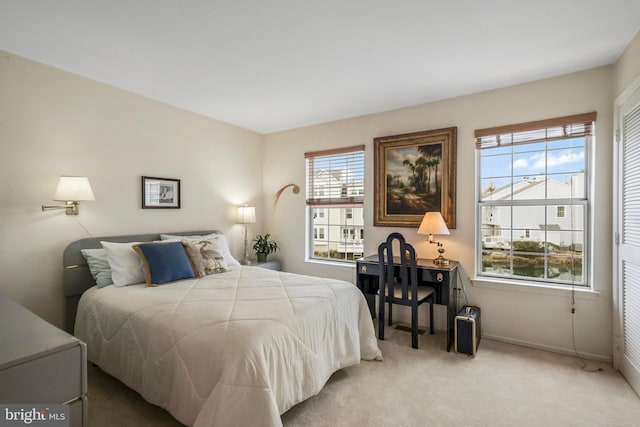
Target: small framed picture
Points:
(160, 193)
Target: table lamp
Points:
(246, 215)
(431, 224)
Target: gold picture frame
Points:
(415, 173)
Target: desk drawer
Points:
(436, 276)
(426, 275)
(368, 269)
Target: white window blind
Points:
(543, 130)
(335, 177)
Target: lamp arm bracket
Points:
(71, 207)
(295, 189)
(50, 208)
(436, 242)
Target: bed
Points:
(239, 347)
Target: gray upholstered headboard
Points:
(77, 278)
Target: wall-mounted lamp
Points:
(431, 224)
(294, 187)
(246, 215)
(72, 190)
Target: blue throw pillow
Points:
(98, 266)
(164, 262)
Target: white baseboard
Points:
(550, 348)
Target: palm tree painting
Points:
(413, 178)
(415, 173)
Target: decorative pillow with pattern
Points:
(205, 256)
(223, 245)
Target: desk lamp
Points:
(433, 223)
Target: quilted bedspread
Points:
(231, 349)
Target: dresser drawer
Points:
(78, 411)
(54, 378)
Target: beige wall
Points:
(627, 68)
(55, 123)
(539, 318)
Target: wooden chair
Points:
(398, 284)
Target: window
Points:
(318, 233)
(348, 233)
(533, 204)
(338, 207)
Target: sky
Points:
(561, 158)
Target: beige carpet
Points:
(504, 385)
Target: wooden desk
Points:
(441, 278)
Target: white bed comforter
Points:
(231, 349)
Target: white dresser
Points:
(40, 363)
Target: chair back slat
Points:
(404, 263)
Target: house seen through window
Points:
(533, 208)
(335, 194)
(560, 212)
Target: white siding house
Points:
(562, 224)
(338, 229)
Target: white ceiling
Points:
(271, 65)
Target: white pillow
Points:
(126, 266)
(222, 244)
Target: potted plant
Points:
(263, 246)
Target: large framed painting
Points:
(415, 173)
(160, 193)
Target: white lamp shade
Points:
(73, 188)
(433, 223)
(246, 215)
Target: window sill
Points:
(580, 292)
(331, 263)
